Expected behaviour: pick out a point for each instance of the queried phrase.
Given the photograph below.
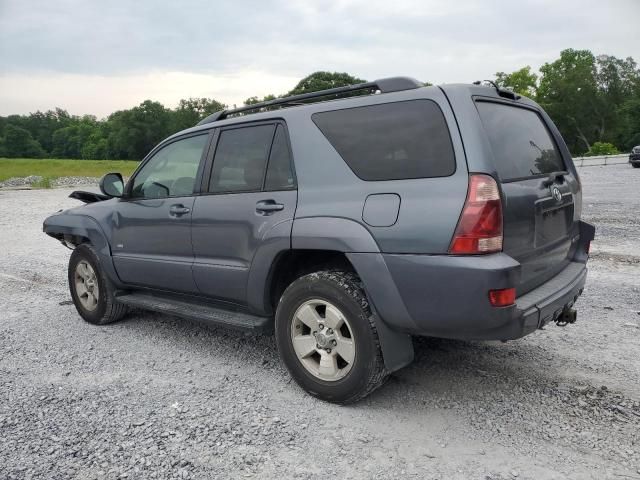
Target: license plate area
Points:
(553, 224)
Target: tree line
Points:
(594, 101)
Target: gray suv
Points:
(634, 157)
(346, 220)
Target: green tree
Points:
(254, 100)
(324, 81)
(523, 81)
(133, 133)
(629, 135)
(42, 125)
(619, 87)
(95, 148)
(18, 142)
(68, 142)
(190, 111)
(568, 91)
(602, 148)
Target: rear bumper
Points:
(447, 296)
(545, 303)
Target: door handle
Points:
(267, 207)
(178, 210)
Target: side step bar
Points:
(196, 310)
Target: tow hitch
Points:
(567, 316)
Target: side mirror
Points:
(112, 185)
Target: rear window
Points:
(522, 146)
(392, 141)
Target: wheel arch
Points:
(397, 347)
(73, 230)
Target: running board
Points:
(196, 310)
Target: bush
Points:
(44, 182)
(602, 148)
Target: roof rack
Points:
(384, 85)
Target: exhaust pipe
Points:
(568, 315)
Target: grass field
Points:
(50, 168)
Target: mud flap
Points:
(397, 347)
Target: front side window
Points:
(172, 171)
(241, 159)
(391, 141)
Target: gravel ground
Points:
(154, 396)
(27, 182)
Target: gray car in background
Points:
(348, 220)
(634, 157)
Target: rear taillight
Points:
(503, 297)
(479, 229)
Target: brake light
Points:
(503, 297)
(479, 229)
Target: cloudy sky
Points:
(99, 56)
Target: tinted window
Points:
(171, 172)
(391, 141)
(279, 171)
(240, 160)
(522, 145)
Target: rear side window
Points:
(280, 171)
(522, 145)
(391, 141)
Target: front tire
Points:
(91, 291)
(327, 339)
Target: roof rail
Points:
(384, 85)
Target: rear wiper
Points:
(553, 176)
(503, 92)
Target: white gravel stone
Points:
(462, 410)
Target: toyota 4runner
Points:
(346, 220)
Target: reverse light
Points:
(503, 297)
(479, 229)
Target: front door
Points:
(151, 240)
(251, 189)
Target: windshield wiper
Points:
(553, 176)
(503, 92)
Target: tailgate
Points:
(539, 193)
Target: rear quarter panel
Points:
(429, 207)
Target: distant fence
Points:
(601, 160)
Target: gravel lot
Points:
(158, 397)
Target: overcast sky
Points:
(99, 56)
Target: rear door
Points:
(249, 190)
(539, 191)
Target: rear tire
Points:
(635, 165)
(91, 291)
(327, 339)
